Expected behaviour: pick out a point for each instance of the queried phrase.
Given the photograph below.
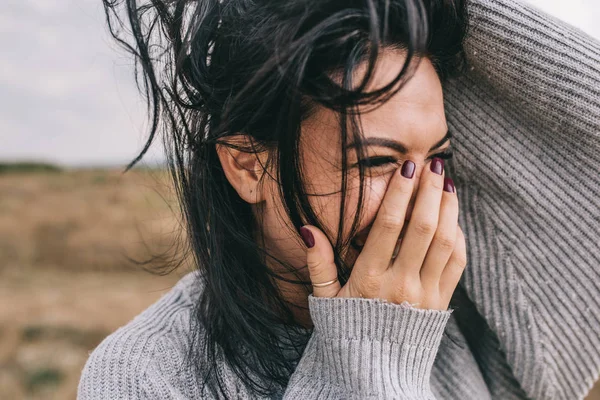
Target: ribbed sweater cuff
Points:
(379, 347)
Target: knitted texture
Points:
(527, 121)
(525, 318)
(368, 349)
(359, 349)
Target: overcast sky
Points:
(67, 93)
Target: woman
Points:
(306, 140)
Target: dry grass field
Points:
(65, 281)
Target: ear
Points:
(243, 170)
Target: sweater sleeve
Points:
(527, 150)
(368, 348)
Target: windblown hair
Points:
(211, 70)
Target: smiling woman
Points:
(309, 142)
(411, 125)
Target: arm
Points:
(367, 348)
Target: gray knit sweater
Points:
(525, 321)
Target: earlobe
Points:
(243, 170)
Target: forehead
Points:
(414, 115)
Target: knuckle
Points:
(370, 270)
(425, 227)
(315, 267)
(367, 287)
(445, 242)
(406, 291)
(391, 221)
(460, 260)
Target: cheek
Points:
(373, 196)
(327, 203)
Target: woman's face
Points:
(408, 126)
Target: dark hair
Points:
(212, 69)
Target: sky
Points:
(67, 93)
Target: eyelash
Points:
(374, 162)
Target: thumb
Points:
(320, 261)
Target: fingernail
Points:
(408, 169)
(307, 236)
(449, 185)
(437, 165)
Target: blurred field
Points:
(65, 282)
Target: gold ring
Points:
(325, 284)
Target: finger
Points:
(444, 239)
(455, 266)
(380, 244)
(320, 261)
(423, 222)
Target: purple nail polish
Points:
(307, 236)
(408, 169)
(449, 185)
(437, 165)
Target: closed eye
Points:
(379, 161)
(376, 161)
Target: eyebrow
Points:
(392, 144)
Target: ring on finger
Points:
(325, 283)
